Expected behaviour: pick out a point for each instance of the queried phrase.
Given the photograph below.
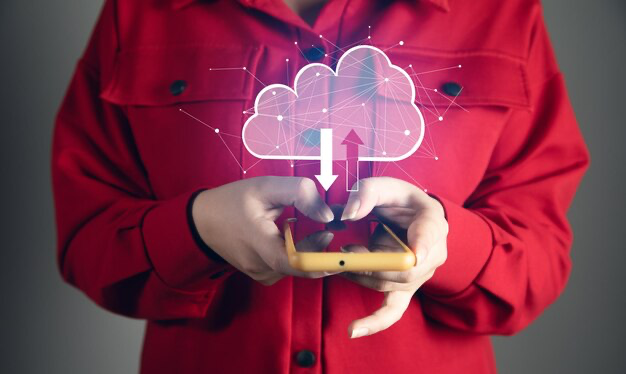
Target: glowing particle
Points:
(369, 37)
(287, 59)
(410, 65)
(279, 117)
(296, 43)
(386, 79)
(401, 42)
(244, 68)
(320, 36)
(217, 131)
(436, 158)
(459, 66)
(276, 147)
(384, 153)
(440, 118)
(324, 110)
(291, 165)
(245, 171)
(273, 92)
(362, 104)
(407, 132)
(317, 74)
(435, 90)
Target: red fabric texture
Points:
(126, 162)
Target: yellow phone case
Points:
(342, 261)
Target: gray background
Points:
(50, 327)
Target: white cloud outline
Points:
(295, 84)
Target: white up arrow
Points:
(326, 177)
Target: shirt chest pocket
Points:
(465, 100)
(185, 107)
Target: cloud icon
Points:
(369, 104)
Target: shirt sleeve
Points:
(508, 244)
(130, 252)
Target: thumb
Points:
(299, 192)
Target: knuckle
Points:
(252, 269)
(305, 185)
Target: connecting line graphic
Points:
(365, 110)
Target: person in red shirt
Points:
(163, 215)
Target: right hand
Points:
(236, 220)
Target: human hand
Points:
(236, 220)
(421, 220)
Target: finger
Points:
(299, 192)
(394, 306)
(378, 192)
(366, 279)
(275, 254)
(315, 242)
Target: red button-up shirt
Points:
(504, 161)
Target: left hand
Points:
(421, 220)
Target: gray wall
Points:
(49, 327)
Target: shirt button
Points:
(451, 88)
(314, 53)
(177, 87)
(305, 358)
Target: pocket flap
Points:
(145, 76)
(485, 78)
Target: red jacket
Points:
(505, 161)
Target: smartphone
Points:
(347, 261)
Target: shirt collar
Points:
(441, 4)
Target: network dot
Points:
(324, 110)
(436, 158)
(425, 190)
(362, 104)
(407, 132)
(217, 131)
(435, 90)
(245, 171)
(279, 117)
(410, 65)
(386, 79)
(401, 42)
(244, 68)
(291, 165)
(320, 36)
(369, 37)
(440, 118)
(273, 92)
(384, 153)
(287, 59)
(317, 74)
(296, 43)
(459, 66)
(276, 147)
(325, 54)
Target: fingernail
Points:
(350, 210)
(328, 215)
(326, 239)
(361, 331)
